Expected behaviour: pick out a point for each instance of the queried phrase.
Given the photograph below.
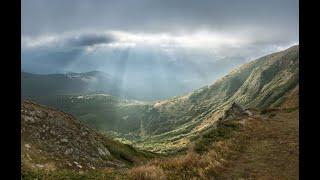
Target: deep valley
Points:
(244, 125)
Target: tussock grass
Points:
(147, 173)
(216, 145)
(249, 149)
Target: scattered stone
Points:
(68, 151)
(27, 146)
(64, 140)
(41, 114)
(40, 165)
(50, 115)
(29, 119)
(103, 151)
(249, 113)
(84, 133)
(28, 156)
(32, 113)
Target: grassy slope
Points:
(167, 126)
(271, 152)
(259, 149)
(47, 135)
(259, 84)
(264, 147)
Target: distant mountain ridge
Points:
(170, 124)
(42, 88)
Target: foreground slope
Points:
(259, 145)
(264, 145)
(52, 139)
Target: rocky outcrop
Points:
(235, 112)
(51, 136)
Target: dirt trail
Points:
(271, 151)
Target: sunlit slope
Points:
(259, 84)
(168, 125)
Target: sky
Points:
(185, 42)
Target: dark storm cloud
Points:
(89, 40)
(45, 16)
(154, 44)
(67, 41)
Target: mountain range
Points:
(165, 127)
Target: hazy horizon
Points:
(191, 45)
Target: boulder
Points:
(235, 111)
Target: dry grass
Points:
(258, 149)
(262, 149)
(147, 173)
(189, 166)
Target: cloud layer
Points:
(154, 45)
(200, 52)
(214, 45)
(45, 16)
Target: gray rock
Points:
(235, 112)
(64, 140)
(84, 133)
(52, 132)
(68, 151)
(41, 114)
(40, 165)
(104, 152)
(27, 146)
(29, 119)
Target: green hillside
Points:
(244, 125)
(168, 125)
(259, 84)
